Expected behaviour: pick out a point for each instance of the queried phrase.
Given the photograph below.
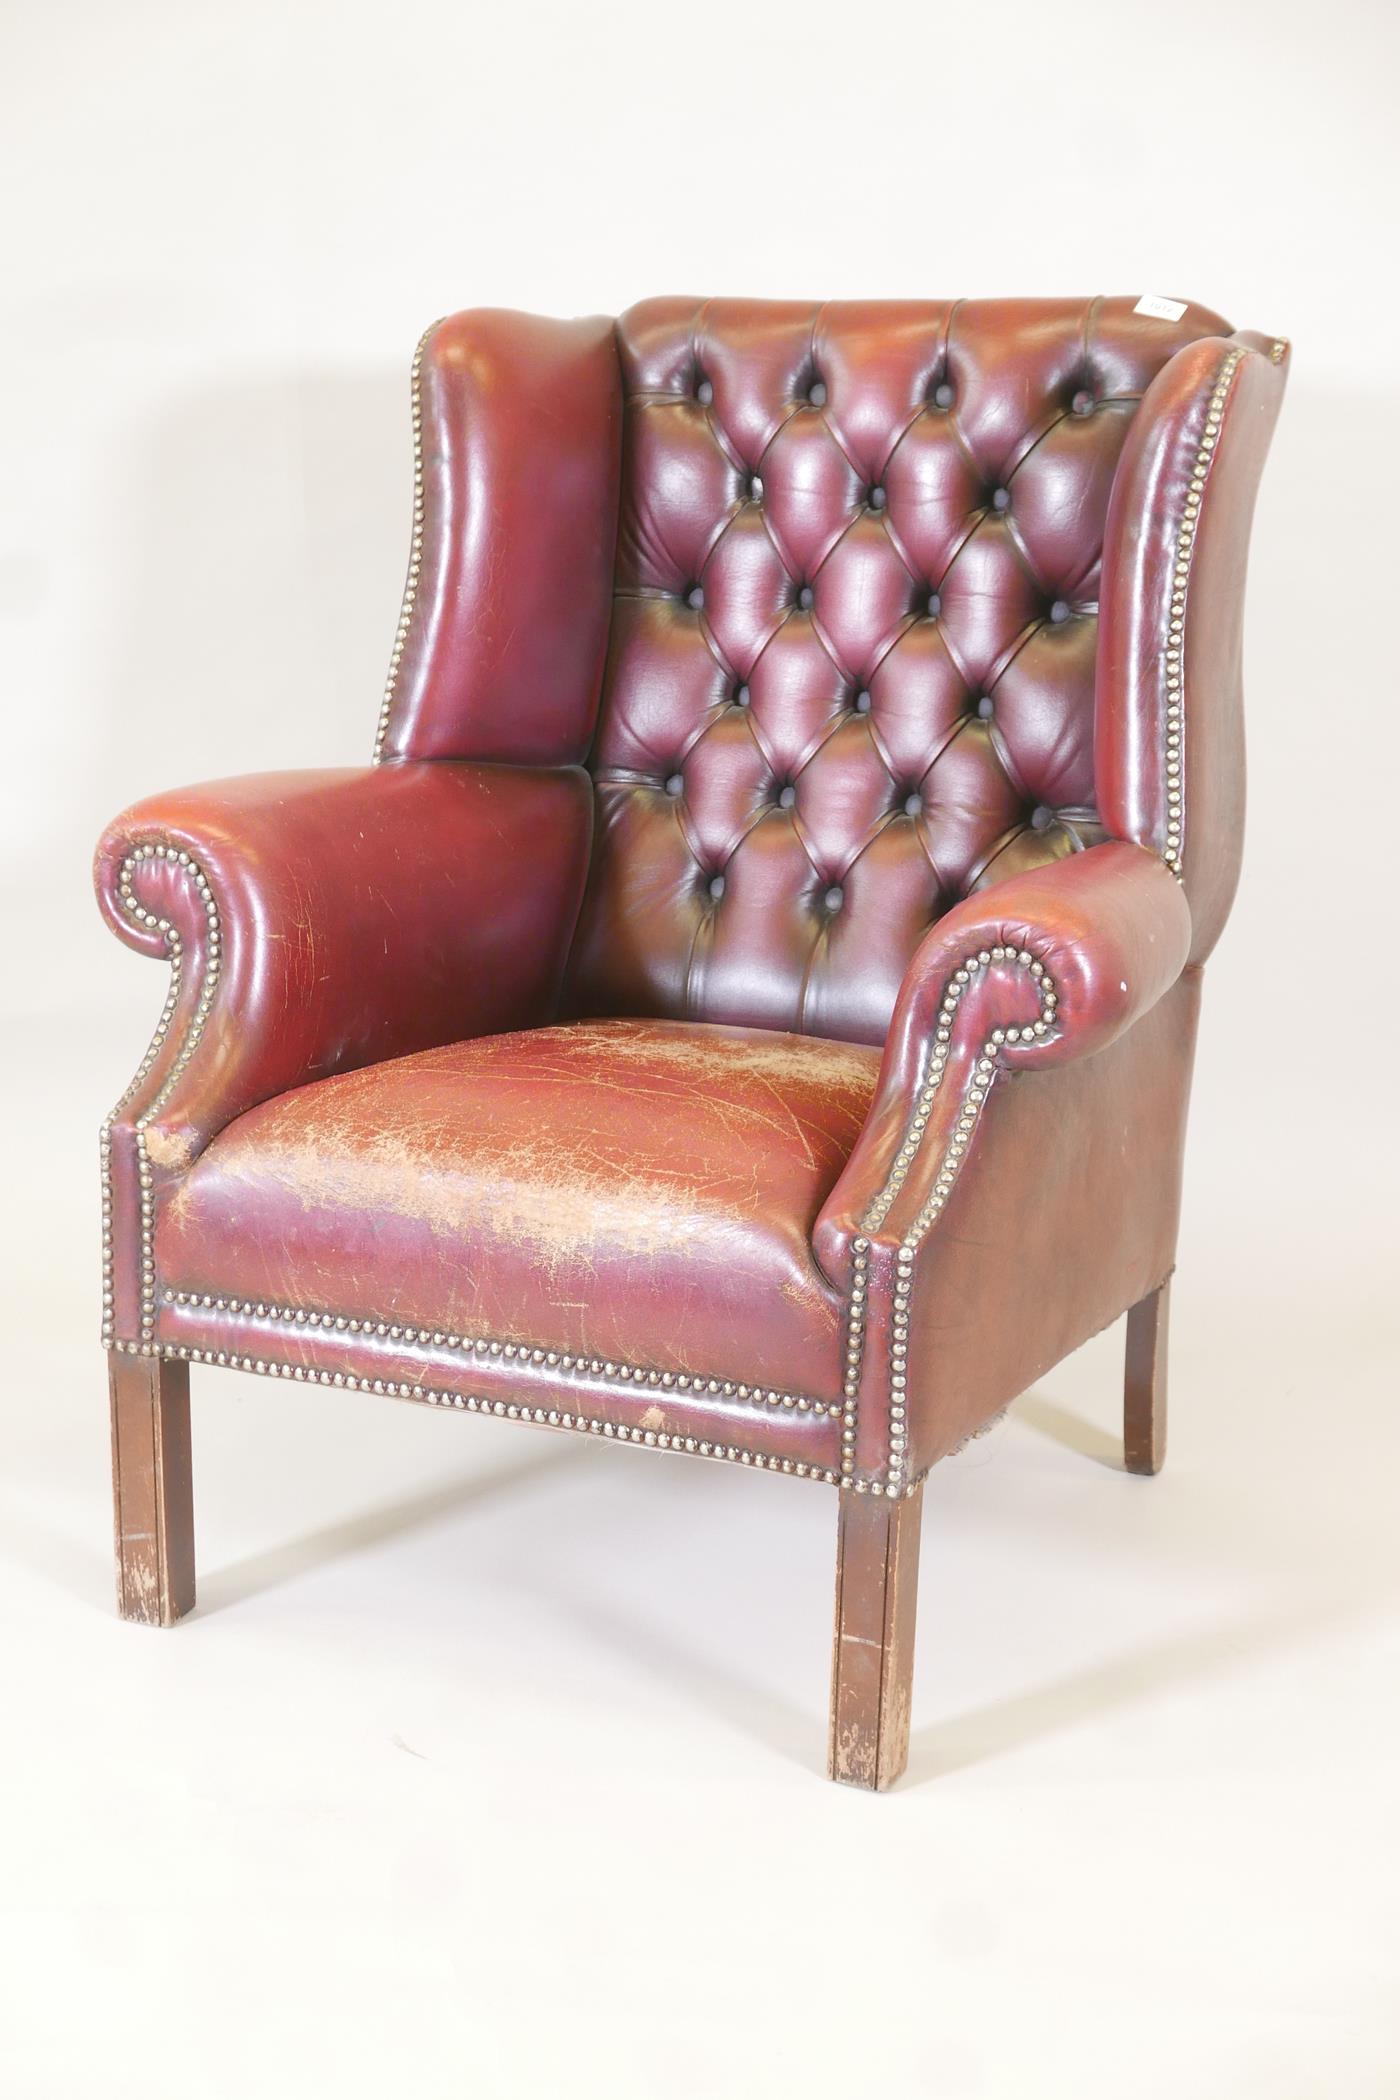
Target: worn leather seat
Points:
(641, 1193)
(747, 1006)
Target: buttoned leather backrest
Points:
(850, 674)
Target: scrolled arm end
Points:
(315, 922)
(318, 921)
(154, 897)
(1045, 967)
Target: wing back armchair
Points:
(746, 1009)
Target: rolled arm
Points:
(1044, 967)
(318, 921)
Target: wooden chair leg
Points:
(1145, 1383)
(151, 1487)
(877, 1577)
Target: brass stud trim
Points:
(854, 1353)
(960, 978)
(896, 1481)
(574, 1363)
(415, 549)
(508, 1410)
(188, 868)
(1174, 652)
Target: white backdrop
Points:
(225, 227)
(228, 225)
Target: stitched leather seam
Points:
(611, 1370)
(1174, 690)
(191, 869)
(510, 1410)
(415, 548)
(1029, 440)
(915, 416)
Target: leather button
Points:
(943, 395)
(1083, 402)
(715, 886)
(862, 702)
(804, 597)
(1001, 499)
(986, 707)
(876, 498)
(741, 696)
(705, 393)
(1059, 611)
(695, 597)
(1041, 817)
(787, 796)
(913, 803)
(674, 784)
(834, 897)
(934, 606)
(755, 488)
(816, 393)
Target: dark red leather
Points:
(1193, 453)
(643, 1190)
(1083, 1198)
(888, 762)
(1065, 1215)
(344, 917)
(361, 914)
(505, 623)
(364, 1149)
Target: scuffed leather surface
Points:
(1064, 1215)
(380, 1125)
(643, 1190)
(1149, 497)
(1067, 1199)
(1112, 928)
(974, 758)
(521, 430)
(362, 913)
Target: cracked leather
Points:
(760, 662)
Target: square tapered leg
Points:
(1145, 1383)
(151, 1487)
(877, 1576)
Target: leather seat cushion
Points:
(639, 1190)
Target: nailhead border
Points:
(984, 1072)
(1175, 714)
(509, 1410)
(958, 983)
(855, 1352)
(606, 1368)
(190, 867)
(415, 548)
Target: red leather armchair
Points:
(746, 1009)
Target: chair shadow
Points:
(953, 1745)
(277, 1565)
(969, 1739)
(750, 1708)
(1050, 1419)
